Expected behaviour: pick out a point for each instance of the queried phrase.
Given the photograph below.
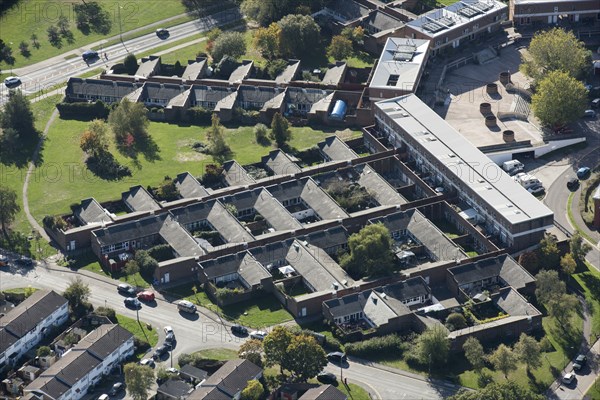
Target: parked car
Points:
(162, 33)
(579, 362)
(589, 114)
(116, 388)
(161, 351)
(104, 397)
(127, 289)
(25, 262)
(147, 361)
(584, 172)
(596, 103)
(260, 335)
(12, 82)
(132, 302)
(239, 330)
(337, 357)
(170, 334)
(173, 370)
(3, 261)
(568, 378)
(536, 190)
(146, 295)
(573, 183)
(326, 377)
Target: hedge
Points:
(199, 115)
(390, 344)
(84, 111)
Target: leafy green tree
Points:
(215, 137)
(275, 345)
(455, 321)
(63, 24)
(94, 141)
(167, 190)
(340, 47)
(130, 63)
(43, 351)
(24, 49)
(265, 12)
(54, 36)
(90, 16)
(300, 35)
(579, 247)
(267, 41)
(370, 252)
(559, 99)
(529, 260)
(562, 307)
(432, 347)
(77, 293)
(280, 130)
(261, 134)
(251, 350)
(474, 353)
(138, 380)
(146, 263)
(528, 350)
(129, 120)
(507, 390)
(549, 286)
(549, 254)
(556, 50)
(34, 41)
(230, 44)
(131, 268)
(504, 359)
(8, 208)
(568, 264)
(305, 358)
(253, 391)
(17, 115)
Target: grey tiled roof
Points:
(90, 211)
(307, 97)
(130, 230)
(348, 10)
(202, 95)
(191, 371)
(100, 87)
(509, 300)
(289, 73)
(503, 266)
(241, 72)
(230, 379)
(382, 21)
(257, 94)
(138, 199)
(148, 66)
(179, 239)
(189, 187)
(325, 392)
(413, 287)
(175, 389)
(244, 264)
(235, 174)
(335, 74)
(280, 163)
(378, 187)
(195, 69)
(336, 149)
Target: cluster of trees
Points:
(548, 255)
(56, 33)
(8, 209)
(95, 144)
(293, 35)
(556, 61)
(18, 135)
(552, 292)
(142, 263)
(342, 45)
(221, 44)
(507, 390)
(370, 252)
(264, 12)
(166, 190)
(90, 16)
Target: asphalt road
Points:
(44, 75)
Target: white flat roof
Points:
(438, 22)
(555, 2)
(400, 63)
(463, 160)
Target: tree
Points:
(275, 345)
(6, 53)
(528, 350)
(280, 130)
(54, 36)
(130, 64)
(503, 359)
(138, 380)
(370, 252)
(579, 248)
(8, 208)
(24, 49)
(94, 140)
(251, 350)
(433, 346)
(340, 47)
(129, 120)
(230, 44)
(300, 35)
(548, 286)
(77, 293)
(146, 263)
(562, 307)
(131, 268)
(63, 24)
(253, 391)
(568, 264)
(474, 353)
(529, 260)
(559, 99)
(556, 50)
(507, 390)
(43, 351)
(217, 147)
(549, 254)
(455, 321)
(91, 17)
(265, 12)
(267, 41)
(260, 133)
(305, 358)
(18, 115)
(34, 41)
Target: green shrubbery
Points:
(84, 111)
(199, 115)
(390, 344)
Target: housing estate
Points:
(537, 12)
(23, 327)
(227, 382)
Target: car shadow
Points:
(151, 304)
(188, 316)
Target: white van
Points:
(186, 306)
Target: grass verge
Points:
(594, 392)
(139, 330)
(572, 219)
(589, 282)
(218, 354)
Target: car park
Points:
(337, 357)
(147, 361)
(326, 377)
(584, 172)
(162, 33)
(589, 114)
(146, 295)
(24, 262)
(239, 330)
(579, 362)
(573, 183)
(132, 302)
(116, 388)
(126, 289)
(12, 82)
(568, 378)
(260, 335)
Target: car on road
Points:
(147, 361)
(568, 378)
(12, 82)
(169, 334)
(161, 351)
(90, 55)
(326, 377)
(536, 190)
(116, 388)
(239, 330)
(162, 33)
(186, 306)
(127, 289)
(579, 362)
(146, 295)
(103, 397)
(25, 262)
(260, 335)
(584, 172)
(589, 114)
(132, 302)
(573, 183)
(337, 357)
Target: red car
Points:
(146, 295)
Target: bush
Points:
(106, 166)
(246, 117)
(275, 67)
(390, 344)
(261, 134)
(161, 252)
(84, 111)
(141, 346)
(199, 115)
(455, 321)
(224, 294)
(107, 312)
(54, 223)
(147, 264)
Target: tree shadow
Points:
(593, 284)
(17, 152)
(68, 36)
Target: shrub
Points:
(141, 345)
(455, 321)
(261, 134)
(54, 223)
(146, 263)
(199, 115)
(389, 344)
(161, 252)
(106, 166)
(224, 294)
(275, 67)
(83, 111)
(212, 174)
(43, 351)
(107, 312)
(246, 117)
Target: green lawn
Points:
(354, 392)
(589, 281)
(139, 330)
(35, 16)
(594, 392)
(444, 3)
(218, 354)
(169, 58)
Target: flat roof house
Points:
(460, 22)
(525, 12)
(84, 365)
(24, 326)
(507, 211)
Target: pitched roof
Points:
(335, 74)
(289, 72)
(175, 388)
(244, 264)
(410, 288)
(195, 69)
(241, 72)
(191, 371)
(90, 211)
(27, 315)
(296, 95)
(257, 96)
(378, 187)
(210, 94)
(502, 266)
(336, 149)
(138, 199)
(189, 187)
(179, 239)
(382, 21)
(280, 163)
(325, 392)
(100, 87)
(148, 66)
(230, 379)
(511, 301)
(347, 11)
(235, 174)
